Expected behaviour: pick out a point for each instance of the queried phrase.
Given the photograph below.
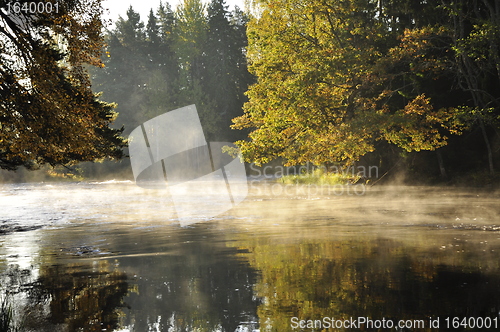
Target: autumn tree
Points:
(308, 57)
(336, 78)
(48, 112)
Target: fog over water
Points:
(110, 255)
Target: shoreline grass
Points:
(320, 177)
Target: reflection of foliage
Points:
(15, 311)
(204, 287)
(67, 297)
(7, 323)
(376, 279)
(84, 300)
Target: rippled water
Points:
(113, 257)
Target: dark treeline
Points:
(194, 54)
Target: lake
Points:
(110, 256)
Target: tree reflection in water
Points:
(87, 300)
(204, 279)
(375, 279)
(187, 282)
(66, 297)
(200, 285)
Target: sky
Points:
(119, 7)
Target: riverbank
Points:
(320, 177)
(478, 179)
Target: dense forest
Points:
(194, 54)
(376, 82)
(407, 86)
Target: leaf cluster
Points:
(334, 79)
(48, 112)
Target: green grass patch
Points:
(319, 177)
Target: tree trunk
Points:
(442, 170)
(488, 146)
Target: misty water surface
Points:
(112, 257)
